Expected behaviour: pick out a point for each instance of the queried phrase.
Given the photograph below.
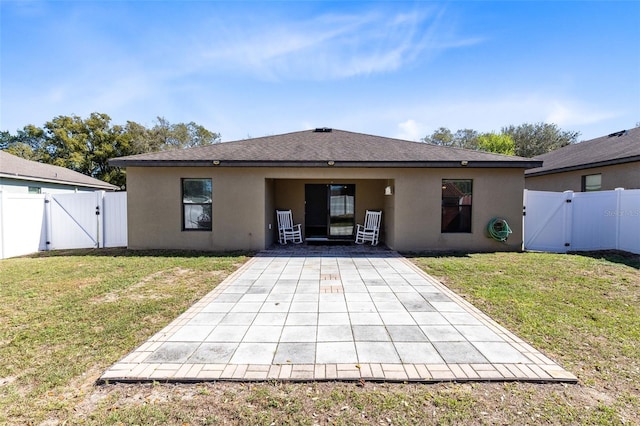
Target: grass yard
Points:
(67, 316)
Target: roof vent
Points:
(618, 134)
(322, 129)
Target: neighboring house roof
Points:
(616, 148)
(13, 167)
(320, 147)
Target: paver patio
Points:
(323, 315)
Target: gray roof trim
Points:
(531, 173)
(106, 186)
(324, 164)
(17, 168)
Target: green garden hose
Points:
(498, 229)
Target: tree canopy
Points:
(498, 143)
(463, 138)
(525, 140)
(539, 138)
(86, 145)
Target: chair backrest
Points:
(372, 220)
(285, 220)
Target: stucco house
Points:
(224, 196)
(600, 164)
(18, 175)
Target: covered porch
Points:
(329, 209)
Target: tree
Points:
(463, 138)
(140, 139)
(86, 145)
(28, 143)
(466, 138)
(498, 143)
(529, 139)
(165, 135)
(5, 139)
(535, 139)
(441, 136)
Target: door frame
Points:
(318, 224)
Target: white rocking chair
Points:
(371, 229)
(287, 231)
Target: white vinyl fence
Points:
(582, 221)
(31, 223)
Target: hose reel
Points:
(498, 229)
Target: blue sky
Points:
(397, 69)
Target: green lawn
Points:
(67, 316)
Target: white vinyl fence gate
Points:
(582, 221)
(30, 223)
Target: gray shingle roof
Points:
(617, 148)
(312, 148)
(14, 167)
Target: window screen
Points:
(196, 204)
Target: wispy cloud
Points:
(332, 46)
(568, 113)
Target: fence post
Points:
(618, 216)
(568, 220)
(524, 219)
(48, 221)
(100, 218)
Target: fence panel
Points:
(547, 221)
(29, 223)
(73, 222)
(22, 228)
(603, 220)
(591, 228)
(629, 215)
(114, 216)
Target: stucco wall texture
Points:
(245, 199)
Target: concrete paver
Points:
(334, 315)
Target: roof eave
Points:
(532, 173)
(106, 186)
(527, 164)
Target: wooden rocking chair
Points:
(287, 231)
(370, 231)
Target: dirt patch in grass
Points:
(6, 380)
(348, 403)
(150, 286)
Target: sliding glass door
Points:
(329, 211)
(341, 210)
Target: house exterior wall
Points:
(625, 176)
(155, 209)
(418, 210)
(244, 200)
